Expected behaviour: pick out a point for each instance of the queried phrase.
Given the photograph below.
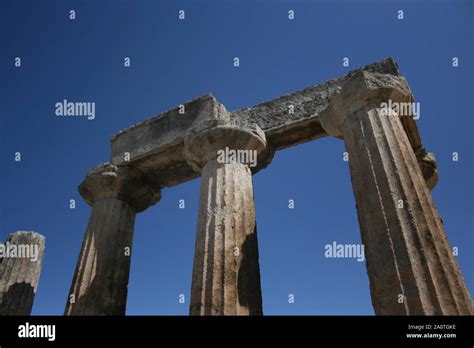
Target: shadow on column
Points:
(248, 283)
(18, 300)
(93, 302)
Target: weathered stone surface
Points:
(215, 128)
(356, 92)
(19, 275)
(123, 183)
(226, 276)
(156, 146)
(429, 167)
(411, 267)
(284, 128)
(409, 260)
(100, 283)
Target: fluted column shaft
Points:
(20, 273)
(410, 263)
(226, 275)
(226, 278)
(101, 279)
(100, 282)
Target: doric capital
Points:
(124, 183)
(361, 90)
(215, 131)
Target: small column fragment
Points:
(21, 258)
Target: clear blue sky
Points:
(173, 61)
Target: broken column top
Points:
(155, 146)
(26, 237)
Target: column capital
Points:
(120, 182)
(216, 129)
(361, 90)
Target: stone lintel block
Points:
(156, 146)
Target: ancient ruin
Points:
(407, 253)
(21, 258)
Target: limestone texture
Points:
(410, 263)
(19, 275)
(226, 275)
(409, 260)
(100, 282)
(156, 146)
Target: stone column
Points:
(100, 283)
(226, 276)
(411, 267)
(21, 258)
